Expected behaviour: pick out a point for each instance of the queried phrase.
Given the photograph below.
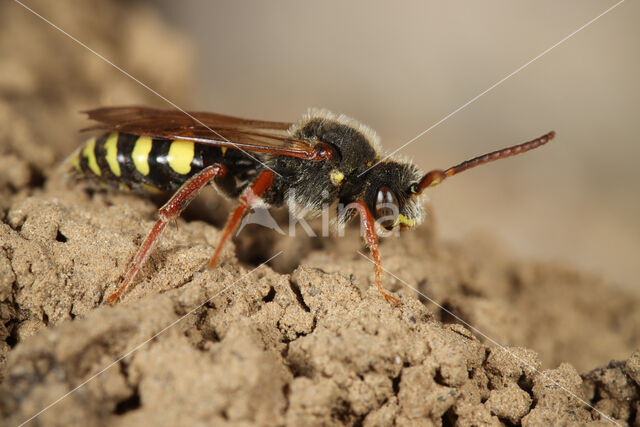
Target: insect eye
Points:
(386, 207)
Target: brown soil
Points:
(488, 340)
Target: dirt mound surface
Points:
(240, 343)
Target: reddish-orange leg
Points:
(371, 239)
(248, 196)
(170, 211)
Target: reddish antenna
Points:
(436, 176)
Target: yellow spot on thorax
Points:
(336, 177)
(89, 151)
(180, 156)
(140, 154)
(111, 149)
(224, 151)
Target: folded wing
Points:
(204, 128)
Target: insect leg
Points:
(371, 239)
(170, 211)
(248, 196)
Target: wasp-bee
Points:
(322, 159)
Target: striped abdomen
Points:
(149, 164)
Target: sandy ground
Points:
(486, 340)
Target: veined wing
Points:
(205, 128)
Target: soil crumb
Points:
(479, 338)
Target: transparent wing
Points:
(203, 128)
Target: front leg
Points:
(371, 240)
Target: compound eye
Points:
(386, 207)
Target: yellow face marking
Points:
(151, 188)
(140, 154)
(90, 153)
(75, 161)
(224, 151)
(180, 156)
(409, 222)
(336, 177)
(111, 149)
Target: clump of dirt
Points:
(479, 338)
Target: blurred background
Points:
(401, 68)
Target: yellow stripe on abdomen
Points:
(180, 156)
(89, 151)
(151, 189)
(140, 154)
(75, 160)
(111, 153)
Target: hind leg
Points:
(170, 211)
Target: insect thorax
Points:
(308, 186)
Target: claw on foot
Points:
(393, 300)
